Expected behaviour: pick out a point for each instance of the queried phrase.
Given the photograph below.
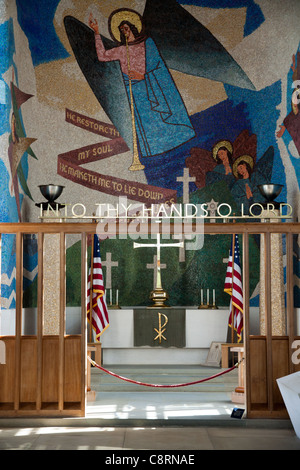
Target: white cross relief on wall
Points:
(186, 179)
(109, 264)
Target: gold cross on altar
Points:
(158, 295)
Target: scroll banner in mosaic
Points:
(69, 165)
(147, 327)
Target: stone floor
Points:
(60, 436)
(127, 417)
(118, 399)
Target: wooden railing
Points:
(25, 377)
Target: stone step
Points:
(102, 381)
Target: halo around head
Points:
(222, 143)
(243, 158)
(123, 14)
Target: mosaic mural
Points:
(158, 101)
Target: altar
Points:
(202, 327)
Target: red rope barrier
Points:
(162, 386)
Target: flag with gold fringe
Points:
(98, 315)
(234, 287)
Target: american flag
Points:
(100, 319)
(234, 287)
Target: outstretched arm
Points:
(103, 54)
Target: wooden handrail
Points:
(175, 228)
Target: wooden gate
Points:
(45, 375)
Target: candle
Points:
(207, 296)
(201, 296)
(110, 296)
(214, 297)
(117, 301)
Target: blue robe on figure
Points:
(162, 122)
(161, 119)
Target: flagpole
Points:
(91, 289)
(232, 269)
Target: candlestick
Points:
(214, 300)
(202, 305)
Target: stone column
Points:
(51, 268)
(277, 283)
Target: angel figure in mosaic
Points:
(249, 175)
(161, 119)
(216, 165)
(165, 37)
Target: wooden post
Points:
(62, 273)
(84, 367)
(19, 304)
(40, 319)
(267, 261)
(98, 353)
(238, 396)
(290, 297)
(91, 395)
(246, 317)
